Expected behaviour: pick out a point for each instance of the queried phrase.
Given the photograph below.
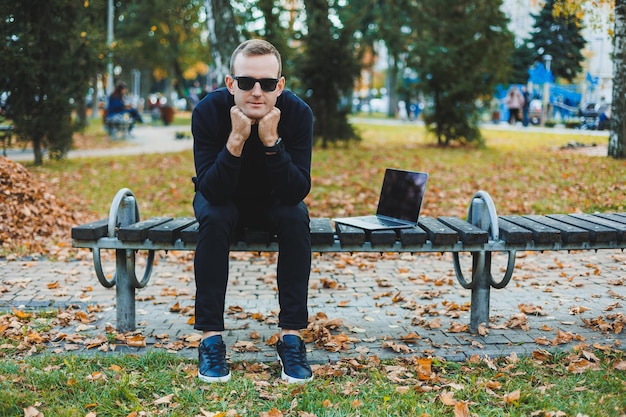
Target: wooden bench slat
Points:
(468, 233)
(411, 236)
(349, 236)
(190, 233)
(620, 228)
(383, 237)
(438, 233)
(91, 231)
(322, 232)
(597, 232)
(513, 233)
(170, 231)
(138, 232)
(616, 217)
(569, 233)
(541, 233)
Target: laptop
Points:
(399, 204)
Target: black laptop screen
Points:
(401, 194)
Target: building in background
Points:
(596, 80)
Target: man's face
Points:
(255, 103)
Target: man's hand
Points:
(268, 127)
(240, 132)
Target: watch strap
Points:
(279, 146)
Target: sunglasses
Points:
(247, 83)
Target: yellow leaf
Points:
(461, 409)
(512, 397)
(115, 368)
(19, 313)
(136, 341)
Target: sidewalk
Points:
(363, 304)
(162, 139)
(145, 139)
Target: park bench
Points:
(482, 234)
(6, 133)
(118, 124)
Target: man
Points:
(252, 154)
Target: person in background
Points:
(253, 145)
(119, 108)
(525, 106)
(514, 103)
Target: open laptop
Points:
(399, 204)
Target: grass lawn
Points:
(524, 173)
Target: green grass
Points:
(524, 173)
(120, 385)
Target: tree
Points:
(461, 52)
(559, 36)
(617, 138)
(223, 35)
(49, 52)
(165, 37)
(327, 67)
(521, 60)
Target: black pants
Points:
(219, 225)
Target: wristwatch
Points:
(279, 146)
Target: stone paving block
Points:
(556, 282)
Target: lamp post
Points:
(547, 59)
(110, 13)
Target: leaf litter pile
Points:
(31, 218)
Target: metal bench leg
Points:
(124, 211)
(124, 293)
(482, 213)
(481, 290)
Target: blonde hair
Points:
(256, 47)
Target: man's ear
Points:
(281, 85)
(228, 80)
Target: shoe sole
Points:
(290, 379)
(213, 379)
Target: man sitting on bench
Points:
(252, 155)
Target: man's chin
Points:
(255, 113)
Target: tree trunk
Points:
(617, 138)
(392, 82)
(223, 36)
(37, 151)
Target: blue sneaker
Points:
(292, 358)
(212, 366)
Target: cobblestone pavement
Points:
(410, 303)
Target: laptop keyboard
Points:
(383, 222)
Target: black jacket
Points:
(222, 177)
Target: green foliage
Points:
(161, 38)
(461, 52)
(522, 59)
(49, 55)
(327, 67)
(561, 37)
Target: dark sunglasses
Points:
(247, 83)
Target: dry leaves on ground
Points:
(32, 218)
